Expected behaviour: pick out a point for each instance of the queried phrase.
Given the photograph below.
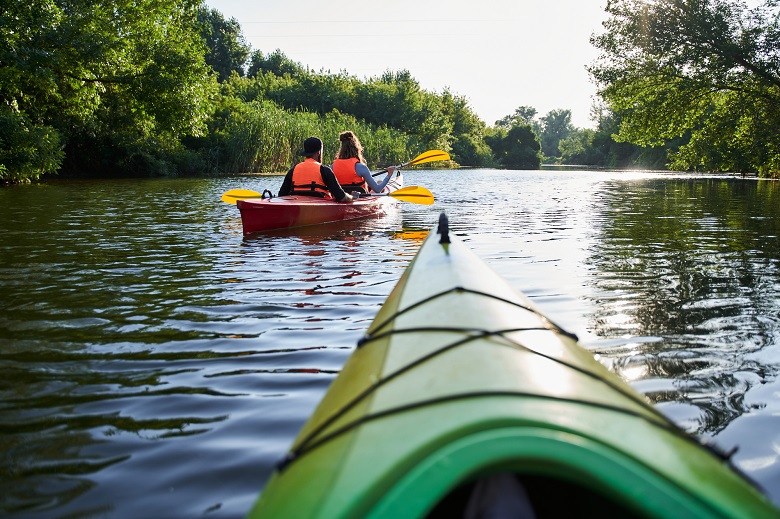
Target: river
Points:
(156, 363)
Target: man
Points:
(311, 178)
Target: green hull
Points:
(460, 377)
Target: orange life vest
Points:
(307, 179)
(344, 169)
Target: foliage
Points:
(516, 148)
(556, 127)
(26, 151)
(276, 63)
(600, 149)
(226, 48)
(522, 115)
(109, 78)
(261, 136)
(468, 146)
(158, 87)
(578, 148)
(708, 69)
(394, 99)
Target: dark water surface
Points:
(155, 363)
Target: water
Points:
(156, 363)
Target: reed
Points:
(260, 136)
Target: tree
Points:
(705, 69)
(556, 127)
(226, 48)
(110, 80)
(516, 148)
(468, 146)
(578, 148)
(522, 115)
(28, 146)
(27, 151)
(276, 63)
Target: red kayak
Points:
(286, 212)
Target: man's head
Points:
(311, 147)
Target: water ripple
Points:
(155, 359)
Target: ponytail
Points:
(350, 147)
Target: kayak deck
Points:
(292, 211)
(461, 382)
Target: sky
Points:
(498, 54)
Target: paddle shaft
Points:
(411, 194)
(428, 156)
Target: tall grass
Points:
(259, 136)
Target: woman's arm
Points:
(363, 171)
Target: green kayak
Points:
(463, 400)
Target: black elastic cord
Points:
(311, 442)
(663, 425)
(376, 385)
(460, 289)
(476, 334)
(371, 338)
(308, 443)
(502, 333)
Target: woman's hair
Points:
(350, 147)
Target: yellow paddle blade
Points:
(413, 194)
(429, 156)
(234, 195)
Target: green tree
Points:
(598, 148)
(226, 48)
(516, 148)
(394, 99)
(522, 115)
(613, 154)
(704, 70)
(578, 148)
(277, 63)
(116, 80)
(27, 151)
(468, 130)
(556, 127)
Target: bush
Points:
(26, 151)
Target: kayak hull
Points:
(287, 212)
(460, 378)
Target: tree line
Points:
(170, 87)
(698, 77)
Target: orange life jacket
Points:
(344, 169)
(307, 179)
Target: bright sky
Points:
(498, 54)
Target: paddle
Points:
(428, 156)
(412, 194)
(234, 195)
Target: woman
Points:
(350, 167)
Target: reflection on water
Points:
(153, 358)
(688, 270)
(157, 363)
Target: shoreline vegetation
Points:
(163, 88)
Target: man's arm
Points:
(286, 188)
(333, 185)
